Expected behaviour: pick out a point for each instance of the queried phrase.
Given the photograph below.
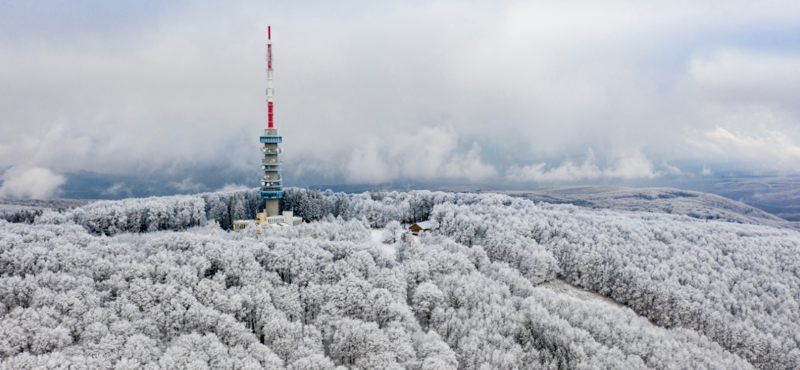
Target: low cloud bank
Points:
(232, 187)
(428, 154)
(30, 183)
(117, 189)
(628, 166)
(773, 148)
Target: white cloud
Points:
(232, 187)
(117, 189)
(566, 172)
(770, 147)
(629, 166)
(746, 77)
(633, 166)
(706, 171)
(34, 182)
(469, 166)
(749, 117)
(367, 166)
(186, 90)
(430, 153)
(186, 185)
(671, 170)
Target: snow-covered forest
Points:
(162, 283)
(26, 210)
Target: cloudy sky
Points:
(505, 93)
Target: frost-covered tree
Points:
(238, 209)
(391, 233)
(154, 283)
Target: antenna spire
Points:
(270, 91)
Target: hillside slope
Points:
(659, 200)
(779, 196)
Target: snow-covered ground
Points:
(564, 288)
(377, 235)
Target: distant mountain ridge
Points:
(659, 200)
(779, 196)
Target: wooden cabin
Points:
(420, 226)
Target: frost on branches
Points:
(159, 283)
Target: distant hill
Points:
(660, 200)
(779, 196)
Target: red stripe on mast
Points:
(269, 105)
(269, 75)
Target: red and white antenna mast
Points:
(271, 184)
(270, 91)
